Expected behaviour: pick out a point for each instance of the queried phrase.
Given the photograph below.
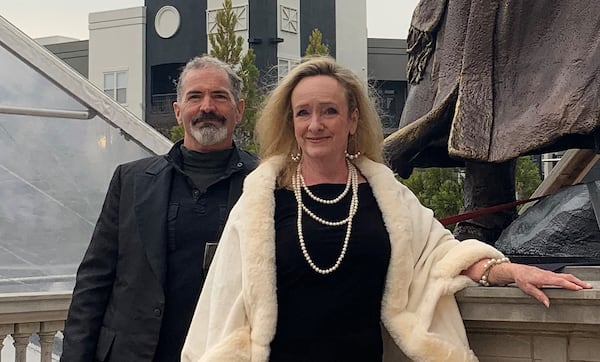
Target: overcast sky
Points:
(39, 18)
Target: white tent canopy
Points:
(60, 140)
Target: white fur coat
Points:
(236, 316)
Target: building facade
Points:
(387, 59)
(277, 31)
(136, 54)
(116, 56)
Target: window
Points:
(284, 65)
(289, 19)
(115, 86)
(164, 87)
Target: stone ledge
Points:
(510, 304)
(505, 324)
(34, 307)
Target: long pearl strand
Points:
(299, 184)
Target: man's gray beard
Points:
(209, 135)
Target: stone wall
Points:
(505, 325)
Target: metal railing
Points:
(162, 103)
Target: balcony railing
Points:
(162, 103)
(23, 315)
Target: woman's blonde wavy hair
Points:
(275, 128)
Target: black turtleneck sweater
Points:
(204, 169)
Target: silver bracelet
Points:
(487, 267)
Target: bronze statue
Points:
(493, 80)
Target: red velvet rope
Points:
(485, 211)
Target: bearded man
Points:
(140, 278)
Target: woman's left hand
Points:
(531, 279)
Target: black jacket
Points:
(118, 300)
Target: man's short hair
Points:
(203, 62)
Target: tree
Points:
(527, 177)
(176, 133)
(249, 74)
(315, 44)
(439, 189)
(225, 44)
(228, 47)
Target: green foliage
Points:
(439, 189)
(315, 44)
(527, 177)
(225, 44)
(228, 47)
(176, 133)
(249, 74)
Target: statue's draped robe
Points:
(493, 80)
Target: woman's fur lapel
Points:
(410, 328)
(258, 252)
(259, 249)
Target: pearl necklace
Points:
(325, 201)
(299, 184)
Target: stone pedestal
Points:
(504, 324)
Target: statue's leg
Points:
(487, 184)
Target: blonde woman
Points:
(325, 246)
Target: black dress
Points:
(333, 317)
